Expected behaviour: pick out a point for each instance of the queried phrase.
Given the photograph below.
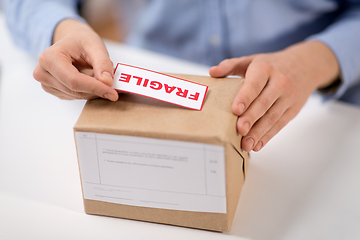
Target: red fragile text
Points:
(155, 85)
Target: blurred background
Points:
(111, 19)
(103, 17)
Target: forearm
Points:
(343, 38)
(317, 62)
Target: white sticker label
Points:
(152, 173)
(159, 86)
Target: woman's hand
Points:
(77, 65)
(276, 87)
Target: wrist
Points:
(319, 61)
(66, 26)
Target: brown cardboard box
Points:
(137, 116)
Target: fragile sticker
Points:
(159, 86)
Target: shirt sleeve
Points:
(32, 22)
(343, 38)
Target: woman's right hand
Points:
(77, 65)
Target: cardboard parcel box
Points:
(148, 160)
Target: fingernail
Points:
(250, 142)
(106, 75)
(246, 127)
(241, 108)
(258, 146)
(110, 97)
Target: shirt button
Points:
(214, 40)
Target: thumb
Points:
(232, 66)
(101, 63)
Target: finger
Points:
(259, 107)
(264, 124)
(57, 93)
(68, 95)
(233, 66)
(64, 96)
(68, 75)
(53, 86)
(280, 124)
(98, 57)
(63, 92)
(256, 78)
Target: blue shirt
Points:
(208, 31)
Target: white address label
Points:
(152, 173)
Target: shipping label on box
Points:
(154, 173)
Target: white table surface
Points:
(305, 184)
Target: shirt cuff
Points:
(47, 17)
(343, 40)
